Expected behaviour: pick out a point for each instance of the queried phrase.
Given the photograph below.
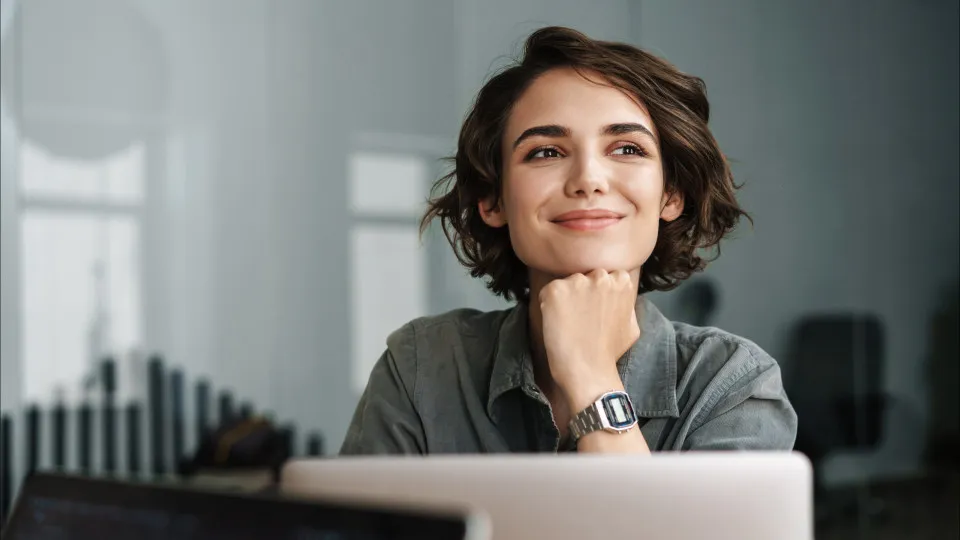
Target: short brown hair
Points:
(692, 162)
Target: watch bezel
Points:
(605, 420)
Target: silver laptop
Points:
(728, 495)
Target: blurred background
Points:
(230, 189)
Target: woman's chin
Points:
(570, 268)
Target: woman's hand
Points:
(588, 323)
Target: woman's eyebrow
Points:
(622, 129)
(554, 130)
(551, 130)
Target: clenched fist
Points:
(588, 323)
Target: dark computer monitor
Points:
(69, 508)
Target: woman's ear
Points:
(491, 211)
(671, 205)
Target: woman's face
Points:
(582, 178)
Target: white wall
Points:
(841, 118)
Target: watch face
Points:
(619, 411)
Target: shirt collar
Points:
(648, 369)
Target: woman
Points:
(585, 176)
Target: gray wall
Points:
(842, 120)
(254, 107)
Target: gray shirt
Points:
(462, 382)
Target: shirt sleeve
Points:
(385, 420)
(751, 412)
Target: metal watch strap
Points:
(585, 421)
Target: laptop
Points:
(65, 508)
(680, 496)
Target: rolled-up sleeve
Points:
(751, 412)
(386, 420)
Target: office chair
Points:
(835, 383)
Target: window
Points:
(81, 243)
(387, 264)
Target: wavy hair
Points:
(693, 164)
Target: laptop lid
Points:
(63, 507)
(735, 495)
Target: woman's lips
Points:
(588, 220)
(588, 224)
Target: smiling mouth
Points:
(587, 220)
(588, 224)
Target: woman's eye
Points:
(543, 153)
(628, 150)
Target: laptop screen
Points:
(65, 508)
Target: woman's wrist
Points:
(584, 391)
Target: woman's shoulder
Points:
(709, 358)
(449, 357)
(692, 339)
(464, 331)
